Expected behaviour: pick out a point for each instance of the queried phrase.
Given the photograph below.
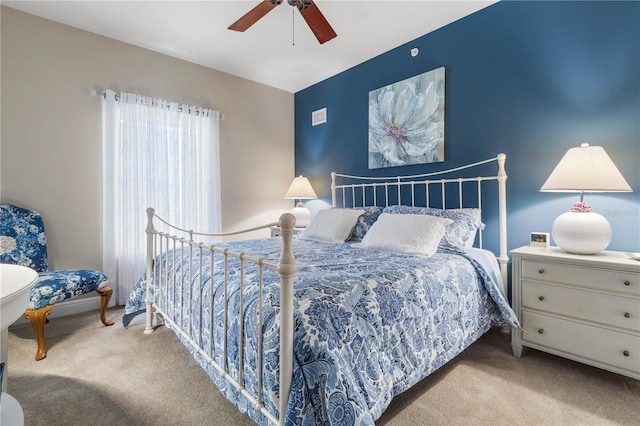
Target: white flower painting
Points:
(406, 121)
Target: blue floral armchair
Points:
(23, 242)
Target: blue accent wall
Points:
(529, 79)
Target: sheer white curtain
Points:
(155, 154)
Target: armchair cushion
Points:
(56, 286)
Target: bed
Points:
(315, 330)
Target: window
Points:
(155, 154)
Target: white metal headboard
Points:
(360, 191)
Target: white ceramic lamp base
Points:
(302, 214)
(581, 232)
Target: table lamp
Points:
(301, 189)
(584, 169)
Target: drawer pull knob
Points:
(625, 353)
(541, 331)
(541, 271)
(627, 283)
(627, 315)
(541, 298)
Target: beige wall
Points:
(51, 129)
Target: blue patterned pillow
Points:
(365, 221)
(461, 233)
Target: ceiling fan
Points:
(308, 9)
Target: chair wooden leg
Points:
(105, 296)
(37, 318)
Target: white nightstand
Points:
(275, 231)
(582, 307)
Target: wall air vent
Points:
(319, 116)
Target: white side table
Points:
(582, 307)
(11, 413)
(16, 283)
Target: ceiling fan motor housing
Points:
(300, 4)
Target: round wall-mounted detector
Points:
(414, 52)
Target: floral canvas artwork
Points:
(406, 121)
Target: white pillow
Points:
(332, 225)
(406, 233)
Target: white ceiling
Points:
(196, 31)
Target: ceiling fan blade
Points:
(318, 23)
(253, 16)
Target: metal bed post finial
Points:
(149, 230)
(287, 269)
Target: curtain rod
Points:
(103, 94)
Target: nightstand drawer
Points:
(601, 279)
(597, 344)
(607, 310)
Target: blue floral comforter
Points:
(368, 324)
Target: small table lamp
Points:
(301, 189)
(584, 169)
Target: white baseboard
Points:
(71, 307)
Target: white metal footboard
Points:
(159, 243)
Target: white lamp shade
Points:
(300, 189)
(586, 168)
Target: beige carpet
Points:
(96, 375)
